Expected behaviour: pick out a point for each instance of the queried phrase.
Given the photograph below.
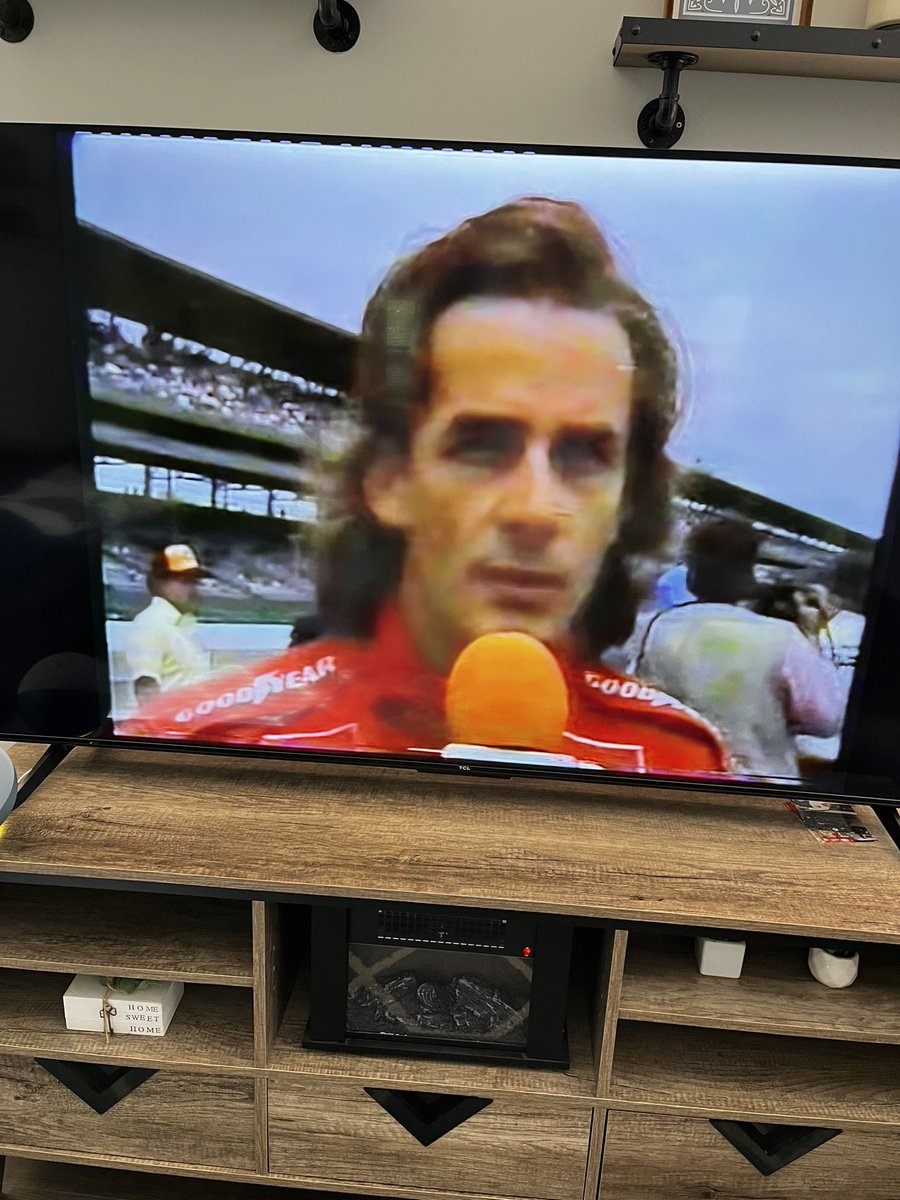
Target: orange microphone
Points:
(507, 701)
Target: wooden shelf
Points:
(132, 935)
(868, 54)
(290, 1058)
(212, 1030)
(775, 994)
(752, 1077)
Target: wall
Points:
(510, 70)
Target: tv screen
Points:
(491, 458)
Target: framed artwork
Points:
(770, 12)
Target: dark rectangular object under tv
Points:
(434, 981)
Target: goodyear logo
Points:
(272, 683)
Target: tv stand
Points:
(190, 867)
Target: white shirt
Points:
(756, 678)
(160, 645)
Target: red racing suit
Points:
(380, 696)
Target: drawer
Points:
(203, 1120)
(512, 1147)
(676, 1158)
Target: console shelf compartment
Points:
(289, 1058)
(211, 1031)
(752, 1077)
(775, 993)
(133, 935)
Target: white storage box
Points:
(147, 1012)
(724, 958)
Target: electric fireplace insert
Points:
(429, 980)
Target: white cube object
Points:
(722, 958)
(146, 1013)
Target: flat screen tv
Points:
(488, 458)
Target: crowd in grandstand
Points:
(137, 360)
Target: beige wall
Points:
(456, 69)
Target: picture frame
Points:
(768, 12)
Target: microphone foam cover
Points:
(507, 690)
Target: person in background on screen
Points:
(672, 587)
(161, 648)
(760, 679)
(842, 636)
(305, 629)
(849, 588)
(516, 397)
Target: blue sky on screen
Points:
(780, 282)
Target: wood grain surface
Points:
(265, 968)
(672, 1158)
(775, 993)
(593, 850)
(609, 992)
(753, 1077)
(261, 1096)
(31, 1180)
(211, 1031)
(172, 1118)
(595, 1154)
(290, 1058)
(150, 937)
(513, 1147)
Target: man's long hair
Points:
(531, 249)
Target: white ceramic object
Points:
(836, 969)
(7, 785)
(882, 14)
(719, 957)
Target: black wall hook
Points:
(16, 20)
(661, 122)
(336, 25)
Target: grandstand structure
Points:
(194, 379)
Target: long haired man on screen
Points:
(516, 396)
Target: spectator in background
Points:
(672, 587)
(761, 680)
(161, 647)
(849, 586)
(306, 629)
(843, 631)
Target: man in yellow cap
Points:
(161, 648)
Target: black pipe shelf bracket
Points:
(336, 25)
(16, 20)
(660, 123)
(744, 46)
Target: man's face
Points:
(510, 494)
(182, 592)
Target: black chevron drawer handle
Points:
(101, 1087)
(427, 1115)
(771, 1147)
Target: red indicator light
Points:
(526, 952)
